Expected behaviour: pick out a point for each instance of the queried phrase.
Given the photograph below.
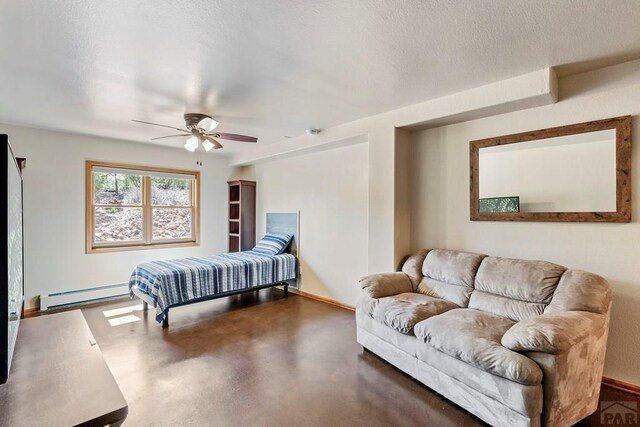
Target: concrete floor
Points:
(261, 361)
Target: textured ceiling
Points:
(274, 68)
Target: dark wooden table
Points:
(59, 378)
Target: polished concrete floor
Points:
(261, 360)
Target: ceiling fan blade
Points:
(171, 136)
(156, 124)
(233, 137)
(216, 144)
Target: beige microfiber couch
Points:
(515, 342)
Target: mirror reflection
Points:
(573, 173)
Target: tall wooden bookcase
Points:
(242, 215)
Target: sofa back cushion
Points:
(412, 266)
(514, 288)
(581, 291)
(449, 275)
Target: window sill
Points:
(103, 249)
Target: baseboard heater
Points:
(61, 299)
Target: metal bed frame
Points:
(148, 301)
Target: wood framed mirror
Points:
(574, 173)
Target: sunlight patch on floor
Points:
(123, 310)
(123, 320)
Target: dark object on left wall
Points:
(22, 163)
(11, 256)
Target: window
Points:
(134, 207)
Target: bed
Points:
(173, 283)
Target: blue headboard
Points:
(285, 222)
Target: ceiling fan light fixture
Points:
(207, 145)
(211, 143)
(208, 124)
(192, 143)
(199, 129)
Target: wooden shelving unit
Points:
(242, 215)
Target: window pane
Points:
(170, 191)
(117, 189)
(171, 223)
(118, 224)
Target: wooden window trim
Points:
(147, 242)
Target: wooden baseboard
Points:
(621, 385)
(31, 312)
(322, 299)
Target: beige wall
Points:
(440, 212)
(54, 203)
(330, 190)
(384, 249)
(402, 195)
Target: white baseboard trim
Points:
(58, 299)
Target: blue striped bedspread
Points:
(178, 281)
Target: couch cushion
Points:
(525, 399)
(473, 336)
(366, 304)
(412, 267)
(404, 342)
(401, 312)
(449, 275)
(580, 291)
(515, 288)
(385, 284)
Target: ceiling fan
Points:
(199, 130)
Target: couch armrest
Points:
(553, 333)
(385, 284)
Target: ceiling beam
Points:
(521, 92)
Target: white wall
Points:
(330, 189)
(54, 203)
(440, 213)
